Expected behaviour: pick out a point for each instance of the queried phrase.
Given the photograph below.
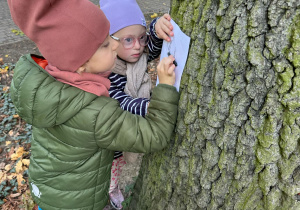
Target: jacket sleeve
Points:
(122, 131)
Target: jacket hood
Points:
(32, 91)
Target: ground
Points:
(12, 52)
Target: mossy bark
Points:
(236, 144)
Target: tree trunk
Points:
(236, 144)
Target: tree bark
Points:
(236, 143)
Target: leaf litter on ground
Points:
(14, 149)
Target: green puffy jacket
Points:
(75, 134)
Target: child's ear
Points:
(80, 69)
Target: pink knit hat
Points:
(67, 32)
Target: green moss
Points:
(191, 114)
(211, 154)
(291, 100)
(287, 167)
(229, 77)
(175, 9)
(289, 139)
(293, 52)
(256, 25)
(272, 200)
(268, 178)
(280, 65)
(197, 8)
(285, 80)
(226, 52)
(255, 55)
(222, 7)
(184, 80)
(203, 68)
(187, 22)
(192, 160)
(178, 17)
(222, 160)
(193, 89)
(268, 134)
(250, 197)
(268, 155)
(206, 12)
(289, 189)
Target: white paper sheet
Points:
(179, 48)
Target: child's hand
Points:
(164, 28)
(165, 71)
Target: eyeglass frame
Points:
(119, 39)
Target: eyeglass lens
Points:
(129, 42)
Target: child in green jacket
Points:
(76, 126)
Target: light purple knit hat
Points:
(122, 13)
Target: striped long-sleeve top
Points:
(135, 105)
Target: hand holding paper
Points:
(165, 70)
(164, 28)
(179, 48)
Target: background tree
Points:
(236, 144)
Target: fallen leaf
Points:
(6, 56)
(15, 195)
(7, 167)
(3, 176)
(11, 133)
(18, 167)
(154, 15)
(26, 162)
(15, 116)
(7, 143)
(20, 180)
(10, 152)
(3, 71)
(2, 165)
(5, 88)
(20, 151)
(11, 176)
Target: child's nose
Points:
(137, 44)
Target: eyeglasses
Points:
(129, 41)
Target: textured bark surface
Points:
(236, 144)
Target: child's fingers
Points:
(167, 24)
(167, 21)
(164, 32)
(165, 70)
(167, 16)
(171, 71)
(167, 63)
(164, 28)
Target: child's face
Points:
(104, 58)
(129, 34)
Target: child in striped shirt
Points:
(130, 82)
